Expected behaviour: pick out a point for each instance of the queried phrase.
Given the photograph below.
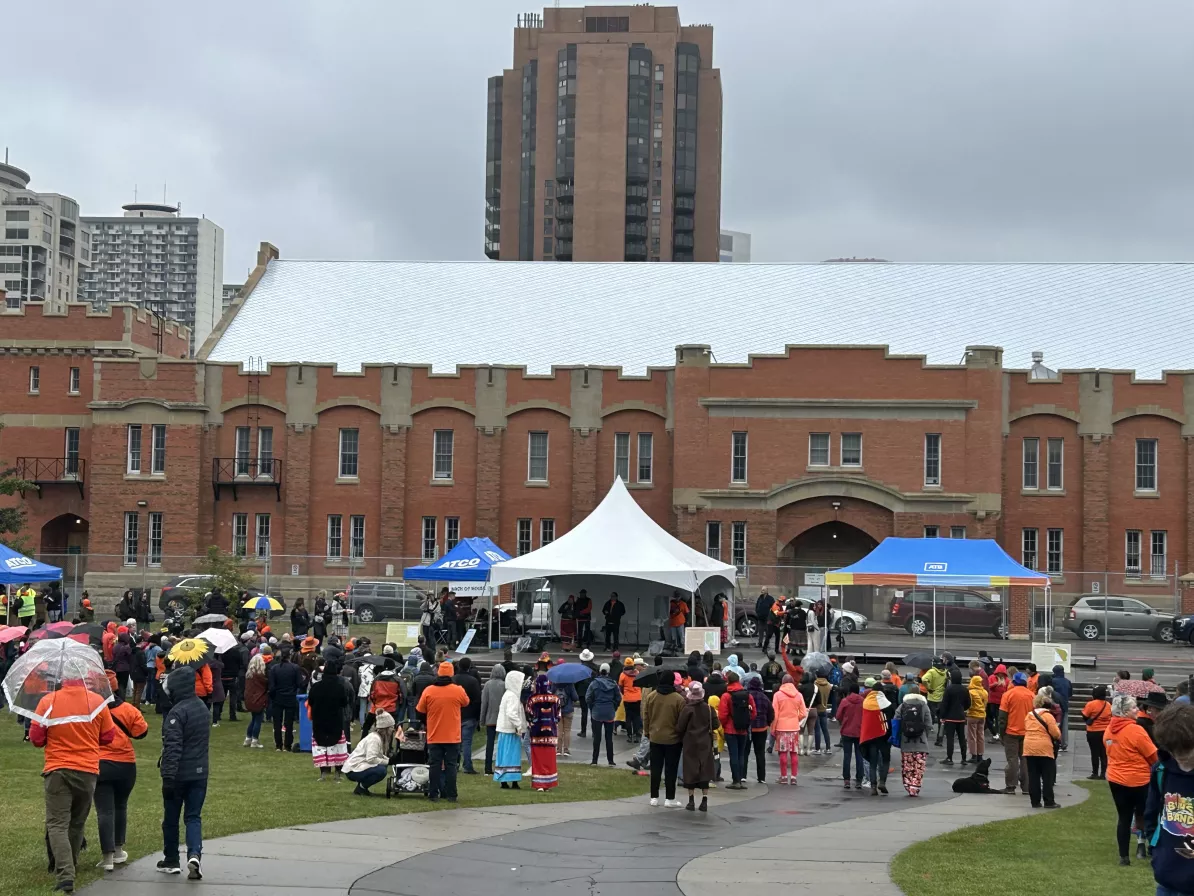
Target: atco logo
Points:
(936, 567)
(17, 562)
(462, 564)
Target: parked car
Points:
(175, 593)
(1093, 614)
(375, 601)
(957, 611)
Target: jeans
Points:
(285, 718)
(368, 777)
(758, 740)
(608, 729)
(151, 689)
(739, 747)
(665, 762)
(188, 802)
(68, 803)
(490, 743)
(822, 729)
(1016, 770)
(873, 752)
(468, 728)
(442, 780)
(1042, 770)
(643, 751)
(112, 790)
(253, 732)
(362, 710)
(676, 636)
(850, 745)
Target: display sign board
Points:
(1046, 656)
(702, 639)
(814, 578)
(402, 634)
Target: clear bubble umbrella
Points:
(57, 682)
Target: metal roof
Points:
(538, 314)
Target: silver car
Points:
(1093, 614)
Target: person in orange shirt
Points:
(1013, 709)
(117, 777)
(677, 619)
(71, 769)
(1097, 715)
(632, 701)
(203, 683)
(1042, 734)
(1034, 678)
(108, 641)
(1130, 758)
(441, 702)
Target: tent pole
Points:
(934, 620)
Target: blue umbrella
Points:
(569, 673)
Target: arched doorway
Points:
(830, 545)
(64, 544)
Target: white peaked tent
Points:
(617, 539)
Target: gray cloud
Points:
(911, 130)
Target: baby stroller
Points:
(409, 769)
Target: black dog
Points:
(977, 782)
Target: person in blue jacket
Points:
(1063, 689)
(1169, 809)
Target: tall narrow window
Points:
(240, 534)
(1157, 559)
(1055, 464)
(451, 532)
(1146, 465)
(932, 458)
(73, 382)
(851, 449)
(72, 451)
(738, 546)
(263, 531)
(265, 452)
(349, 453)
(932, 531)
(818, 449)
(1031, 466)
(1028, 548)
(1054, 546)
(335, 536)
(155, 538)
(547, 532)
(134, 448)
(443, 454)
(713, 539)
(430, 548)
(537, 457)
(243, 434)
(622, 455)
(356, 538)
(645, 444)
(738, 457)
(1132, 551)
(132, 538)
(524, 537)
(158, 461)
(34, 380)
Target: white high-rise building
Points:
(735, 246)
(44, 249)
(154, 257)
(231, 291)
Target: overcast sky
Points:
(926, 131)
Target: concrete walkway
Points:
(811, 838)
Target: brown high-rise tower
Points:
(604, 139)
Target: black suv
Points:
(174, 594)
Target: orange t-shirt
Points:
(121, 748)
(73, 745)
(631, 693)
(1130, 753)
(441, 703)
(1099, 714)
(1017, 703)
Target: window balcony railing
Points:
(52, 471)
(234, 472)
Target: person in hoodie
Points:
(326, 701)
(491, 701)
(976, 720)
(1169, 807)
(764, 716)
(913, 723)
(715, 684)
(790, 713)
(873, 734)
(660, 715)
(122, 657)
(849, 716)
(511, 724)
(736, 711)
(603, 697)
(423, 679)
(1130, 757)
(1063, 690)
(935, 680)
(732, 666)
(184, 765)
(997, 685)
(695, 670)
(954, 706)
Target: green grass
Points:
(1061, 851)
(242, 796)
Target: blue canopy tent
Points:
(16, 569)
(468, 562)
(938, 563)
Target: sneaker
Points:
(846, 784)
(672, 804)
(215, 724)
(106, 862)
(120, 857)
(948, 762)
(593, 763)
(654, 802)
(194, 872)
(783, 779)
(874, 791)
(168, 867)
(257, 745)
(634, 764)
(1058, 806)
(858, 785)
(1010, 791)
(1124, 860)
(248, 742)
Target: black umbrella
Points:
(372, 659)
(650, 679)
(93, 631)
(920, 660)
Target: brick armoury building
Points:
(806, 457)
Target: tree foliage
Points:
(226, 569)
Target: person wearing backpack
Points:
(912, 722)
(1170, 795)
(736, 713)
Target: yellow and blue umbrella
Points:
(261, 602)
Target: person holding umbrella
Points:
(61, 688)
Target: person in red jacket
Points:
(849, 716)
(737, 717)
(997, 686)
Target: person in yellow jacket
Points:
(719, 741)
(976, 719)
(934, 681)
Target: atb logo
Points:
(18, 562)
(461, 564)
(936, 567)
